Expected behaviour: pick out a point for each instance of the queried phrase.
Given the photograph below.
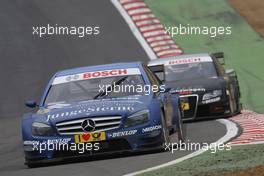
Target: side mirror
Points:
(220, 57)
(31, 104)
(165, 89)
(158, 70)
(231, 73)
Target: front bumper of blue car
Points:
(40, 149)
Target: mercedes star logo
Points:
(88, 125)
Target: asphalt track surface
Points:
(27, 63)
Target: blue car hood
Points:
(101, 107)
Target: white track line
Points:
(134, 29)
(231, 132)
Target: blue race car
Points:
(98, 110)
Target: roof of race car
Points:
(184, 56)
(98, 67)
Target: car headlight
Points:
(213, 94)
(41, 129)
(137, 118)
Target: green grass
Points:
(243, 48)
(238, 158)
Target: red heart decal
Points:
(86, 137)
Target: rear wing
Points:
(220, 57)
(158, 70)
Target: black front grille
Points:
(103, 123)
(208, 110)
(191, 100)
(203, 111)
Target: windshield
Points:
(190, 71)
(88, 89)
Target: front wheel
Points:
(165, 130)
(181, 128)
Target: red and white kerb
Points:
(95, 74)
(150, 28)
(189, 60)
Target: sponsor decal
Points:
(152, 128)
(95, 74)
(187, 90)
(188, 60)
(89, 137)
(105, 73)
(185, 106)
(30, 142)
(62, 140)
(122, 133)
(211, 100)
(88, 110)
(49, 141)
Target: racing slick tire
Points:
(177, 137)
(239, 106)
(165, 129)
(181, 128)
(234, 104)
